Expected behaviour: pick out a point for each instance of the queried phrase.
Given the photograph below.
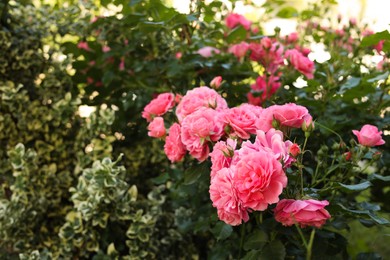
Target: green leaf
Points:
(351, 83)
(236, 35)
(379, 177)
(355, 187)
(193, 173)
(162, 178)
(377, 219)
(287, 12)
(368, 256)
(382, 76)
(274, 250)
(375, 38)
(252, 255)
(256, 240)
(222, 231)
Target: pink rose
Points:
(198, 129)
(222, 154)
(290, 114)
(264, 122)
(300, 62)
(294, 150)
(83, 46)
(268, 53)
(292, 37)
(264, 87)
(259, 180)
(302, 212)
(158, 106)
(208, 51)
(241, 121)
(216, 82)
(369, 136)
(199, 98)
(232, 20)
(224, 197)
(106, 48)
(239, 50)
(272, 143)
(156, 127)
(178, 55)
(174, 148)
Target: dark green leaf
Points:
(274, 250)
(222, 231)
(256, 240)
(355, 187)
(368, 256)
(162, 178)
(193, 173)
(252, 255)
(351, 83)
(382, 76)
(379, 177)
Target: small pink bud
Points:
(122, 64)
(106, 48)
(216, 82)
(294, 150)
(178, 55)
(83, 46)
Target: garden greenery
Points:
(208, 138)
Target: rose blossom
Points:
(222, 154)
(239, 50)
(259, 180)
(174, 148)
(232, 20)
(290, 114)
(270, 142)
(268, 53)
(208, 51)
(158, 106)
(302, 212)
(224, 197)
(300, 62)
(369, 136)
(156, 127)
(216, 82)
(294, 150)
(265, 86)
(199, 98)
(241, 121)
(198, 128)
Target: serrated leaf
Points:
(256, 240)
(192, 174)
(274, 250)
(355, 187)
(222, 231)
(252, 255)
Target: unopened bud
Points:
(347, 156)
(308, 124)
(216, 82)
(294, 150)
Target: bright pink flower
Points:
(83, 46)
(178, 55)
(294, 150)
(224, 197)
(263, 89)
(239, 50)
(264, 122)
(200, 127)
(174, 148)
(158, 106)
(156, 127)
(216, 82)
(222, 154)
(290, 114)
(259, 180)
(208, 51)
(268, 53)
(302, 212)
(198, 98)
(106, 48)
(292, 37)
(369, 136)
(232, 20)
(241, 121)
(300, 62)
(270, 142)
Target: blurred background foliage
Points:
(61, 195)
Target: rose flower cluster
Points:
(245, 175)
